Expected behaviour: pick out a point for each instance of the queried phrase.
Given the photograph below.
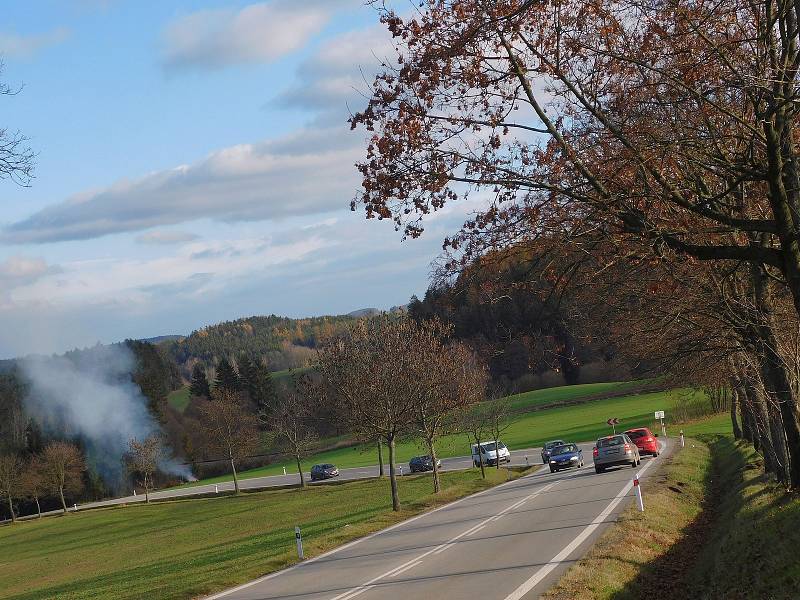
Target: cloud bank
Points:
(258, 33)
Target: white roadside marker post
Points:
(683, 441)
(284, 470)
(299, 539)
(216, 489)
(638, 489)
(134, 493)
(526, 462)
(75, 507)
(401, 470)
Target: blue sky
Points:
(194, 165)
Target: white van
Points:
(489, 456)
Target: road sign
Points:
(613, 421)
(659, 414)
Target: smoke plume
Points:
(90, 395)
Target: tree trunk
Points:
(432, 452)
(63, 502)
(11, 508)
(480, 461)
(776, 378)
(380, 458)
(300, 470)
(235, 478)
(496, 456)
(146, 490)
(392, 474)
(38, 508)
(737, 433)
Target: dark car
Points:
(565, 457)
(326, 471)
(422, 463)
(546, 450)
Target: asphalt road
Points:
(448, 464)
(507, 543)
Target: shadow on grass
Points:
(673, 573)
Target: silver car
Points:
(615, 450)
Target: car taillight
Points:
(650, 439)
(595, 452)
(627, 447)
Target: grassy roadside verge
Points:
(184, 549)
(714, 527)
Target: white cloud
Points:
(25, 46)
(308, 172)
(257, 33)
(19, 270)
(164, 237)
(339, 73)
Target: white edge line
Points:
(365, 538)
(534, 579)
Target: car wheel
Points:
(581, 465)
(655, 454)
(633, 464)
(552, 470)
(598, 469)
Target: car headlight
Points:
(552, 462)
(574, 458)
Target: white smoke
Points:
(90, 395)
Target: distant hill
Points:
(163, 338)
(364, 312)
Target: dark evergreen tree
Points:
(257, 382)
(199, 386)
(227, 377)
(34, 440)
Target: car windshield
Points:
(550, 445)
(565, 449)
(610, 441)
(327, 466)
(636, 434)
(490, 446)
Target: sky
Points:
(194, 165)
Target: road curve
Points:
(506, 543)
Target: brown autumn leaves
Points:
(645, 153)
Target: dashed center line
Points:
(417, 560)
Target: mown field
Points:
(581, 422)
(183, 549)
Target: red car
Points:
(644, 440)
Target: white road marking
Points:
(353, 592)
(537, 577)
(404, 569)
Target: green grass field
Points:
(580, 422)
(569, 393)
(185, 549)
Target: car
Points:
(488, 454)
(565, 456)
(423, 463)
(644, 439)
(546, 449)
(326, 471)
(614, 450)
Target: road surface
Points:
(506, 543)
(448, 464)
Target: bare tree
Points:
(292, 426)
(498, 412)
(450, 378)
(142, 460)
(368, 372)
(63, 466)
(475, 423)
(11, 480)
(16, 157)
(230, 428)
(34, 482)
